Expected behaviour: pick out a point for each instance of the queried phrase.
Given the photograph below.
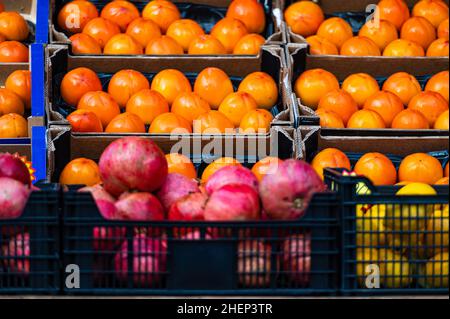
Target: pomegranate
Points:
(13, 198)
(132, 164)
(296, 258)
(175, 187)
(139, 207)
(195, 234)
(105, 202)
(12, 166)
(231, 175)
(17, 253)
(254, 264)
(287, 193)
(189, 208)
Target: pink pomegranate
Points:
(12, 166)
(287, 193)
(17, 253)
(139, 207)
(189, 208)
(132, 164)
(174, 188)
(231, 175)
(13, 198)
(105, 202)
(296, 258)
(195, 234)
(254, 264)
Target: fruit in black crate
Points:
(12, 166)
(254, 263)
(231, 175)
(176, 187)
(436, 271)
(436, 237)
(139, 207)
(16, 253)
(189, 208)
(395, 269)
(13, 198)
(296, 259)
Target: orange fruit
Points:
(430, 104)
(236, 105)
(442, 122)
(360, 46)
(394, 11)
(121, 12)
(386, 104)
(84, 44)
(420, 168)
(360, 86)
(81, 171)
(101, 30)
(170, 83)
(13, 52)
(434, 11)
(13, 126)
(143, 31)
(10, 102)
(304, 17)
(381, 34)
(13, 26)
(410, 120)
(184, 31)
(330, 158)
(206, 45)
(339, 102)
(213, 85)
(216, 165)
(330, 119)
(366, 119)
(170, 123)
(102, 104)
(19, 82)
(251, 12)
(84, 121)
(77, 82)
(249, 44)
(162, 12)
(190, 106)
(180, 164)
(74, 16)
(404, 85)
(229, 31)
(164, 45)
(126, 123)
(438, 48)
(256, 121)
(419, 30)
(442, 31)
(213, 122)
(378, 168)
(403, 48)
(262, 87)
(442, 181)
(439, 84)
(321, 46)
(446, 170)
(124, 84)
(336, 30)
(147, 104)
(265, 167)
(2, 38)
(313, 84)
(122, 44)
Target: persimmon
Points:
(336, 30)
(84, 121)
(386, 104)
(170, 123)
(249, 44)
(321, 46)
(213, 85)
(262, 87)
(162, 12)
(419, 30)
(378, 168)
(19, 82)
(13, 26)
(434, 11)
(366, 119)
(216, 165)
(340, 102)
(266, 166)
(2, 38)
(84, 44)
(77, 82)
(81, 171)
(13, 126)
(125, 83)
(442, 31)
(13, 52)
(420, 168)
(120, 12)
(213, 122)
(143, 31)
(164, 45)
(381, 34)
(442, 122)
(403, 48)
(184, 31)
(430, 104)
(229, 31)
(394, 11)
(439, 83)
(126, 123)
(190, 106)
(74, 16)
(170, 83)
(330, 119)
(180, 164)
(438, 48)
(443, 181)
(330, 158)
(102, 104)
(147, 104)
(360, 86)
(101, 29)
(236, 105)
(10, 102)
(410, 120)
(206, 45)
(256, 121)
(446, 170)
(404, 85)
(313, 84)
(122, 44)
(251, 12)
(304, 17)
(360, 46)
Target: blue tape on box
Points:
(42, 26)
(37, 80)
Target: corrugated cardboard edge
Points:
(24, 7)
(53, 133)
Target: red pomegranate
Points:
(231, 175)
(175, 187)
(296, 258)
(13, 198)
(139, 207)
(105, 202)
(12, 166)
(17, 253)
(254, 264)
(189, 208)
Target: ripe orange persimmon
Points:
(184, 31)
(434, 11)
(122, 44)
(143, 31)
(251, 12)
(84, 121)
(442, 122)
(321, 46)
(419, 30)
(74, 16)
(13, 52)
(410, 120)
(304, 17)
(394, 11)
(330, 119)
(366, 119)
(84, 44)
(378, 168)
(430, 104)
(81, 171)
(339, 102)
(313, 84)
(404, 85)
(386, 104)
(213, 122)
(180, 164)
(126, 123)
(360, 46)
(249, 44)
(2, 38)
(438, 48)
(381, 34)
(13, 126)
(229, 31)
(78, 82)
(170, 123)
(190, 106)
(256, 121)
(442, 31)
(10, 102)
(120, 12)
(19, 82)
(162, 12)
(236, 105)
(218, 164)
(170, 83)
(443, 181)
(147, 104)
(420, 168)
(446, 170)
(206, 45)
(164, 45)
(330, 158)
(439, 83)
(360, 86)
(262, 87)
(213, 85)
(13, 26)
(266, 166)
(336, 30)
(124, 84)
(403, 48)
(102, 104)
(101, 30)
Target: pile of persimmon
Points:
(397, 33)
(362, 103)
(120, 29)
(169, 104)
(13, 31)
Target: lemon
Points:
(370, 227)
(437, 232)
(436, 271)
(364, 258)
(394, 268)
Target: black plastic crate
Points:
(391, 244)
(30, 246)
